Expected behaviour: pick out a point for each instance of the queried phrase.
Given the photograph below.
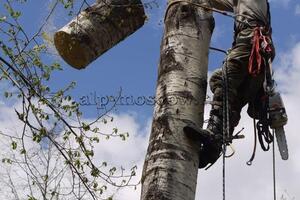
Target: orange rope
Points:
(260, 44)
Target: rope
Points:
(255, 142)
(274, 166)
(224, 173)
(225, 123)
(219, 50)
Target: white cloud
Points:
(114, 151)
(256, 181)
(125, 153)
(297, 9)
(242, 181)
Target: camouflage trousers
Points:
(243, 88)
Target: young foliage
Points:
(54, 146)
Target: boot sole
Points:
(198, 135)
(210, 152)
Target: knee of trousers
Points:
(216, 81)
(235, 118)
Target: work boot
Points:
(210, 139)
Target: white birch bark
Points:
(97, 29)
(171, 164)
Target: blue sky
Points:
(132, 65)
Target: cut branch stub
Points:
(97, 29)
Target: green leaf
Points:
(115, 130)
(104, 164)
(95, 130)
(123, 137)
(43, 132)
(3, 18)
(7, 94)
(56, 66)
(89, 153)
(95, 185)
(95, 172)
(96, 139)
(77, 164)
(23, 151)
(6, 160)
(86, 127)
(31, 198)
(113, 170)
(16, 14)
(14, 145)
(46, 37)
(46, 177)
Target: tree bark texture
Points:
(97, 29)
(171, 164)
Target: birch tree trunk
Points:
(97, 29)
(171, 164)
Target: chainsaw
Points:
(277, 113)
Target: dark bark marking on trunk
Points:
(201, 82)
(168, 63)
(162, 123)
(167, 155)
(154, 194)
(158, 168)
(184, 15)
(181, 155)
(184, 94)
(154, 191)
(163, 146)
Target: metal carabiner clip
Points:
(232, 151)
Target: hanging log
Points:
(97, 29)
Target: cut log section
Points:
(97, 29)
